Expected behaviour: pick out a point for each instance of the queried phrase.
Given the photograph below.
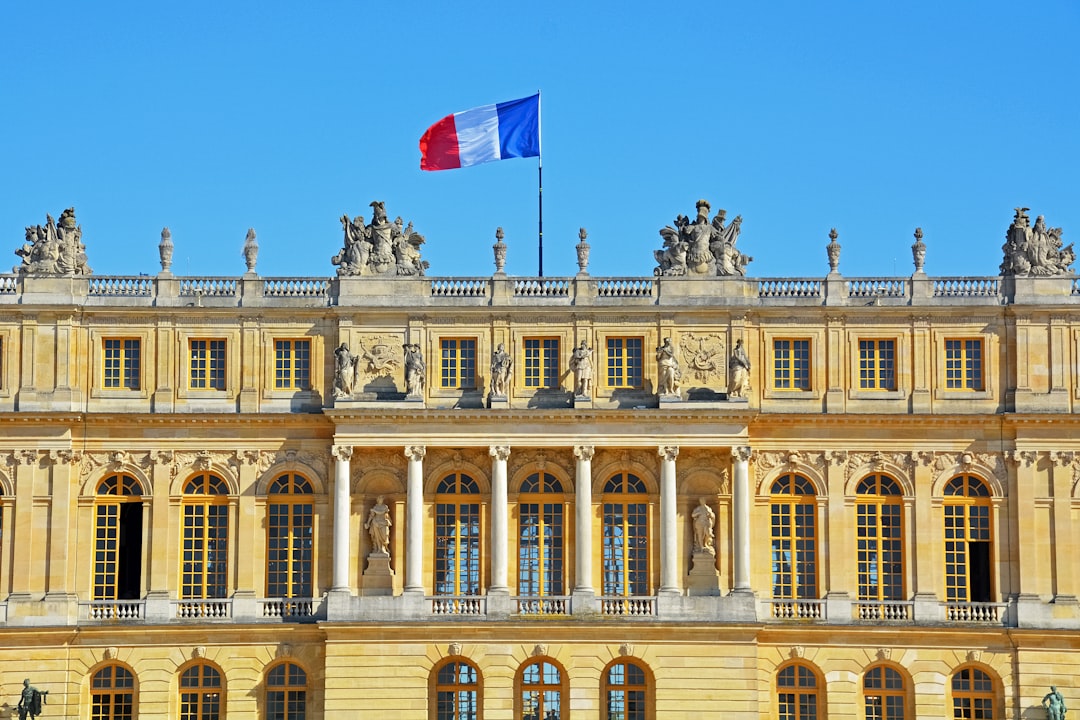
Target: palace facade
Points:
(695, 495)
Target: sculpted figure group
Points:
(382, 248)
(699, 247)
(55, 249)
(1035, 250)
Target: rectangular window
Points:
(458, 363)
(964, 364)
(877, 364)
(292, 364)
(791, 364)
(207, 365)
(541, 362)
(624, 362)
(121, 363)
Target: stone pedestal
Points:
(498, 402)
(670, 399)
(583, 403)
(703, 578)
(378, 577)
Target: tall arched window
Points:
(625, 692)
(542, 691)
(457, 536)
(112, 694)
(879, 539)
(626, 536)
(540, 536)
(884, 694)
(793, 511)
(797, 693)
(973, 695)
(967, 540)
(200, 693)
(205, 541)
(457, 691)
(290, 537)
(118, 530)
(286, 692)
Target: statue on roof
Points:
(380, 248)
(1035, 251)
(55, 248)
(701, 247)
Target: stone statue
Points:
(381, 248)
(918, 251)
(415, 371)
(344, 372)
(165, 249)
(582, 249)
(1054, 704)
(30, 701)
(55, 249)
(500, 371)
(738, 372)
(668, 372)
(251, 250)
(378, 526)
(833, 251)
(1035, 251)
(699, 247)
(704, 522)
(581, 365)
(500, 251)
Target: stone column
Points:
(500, 521)
(740, 500)
(669, 549)
(60, 512)
(342, 512)
(583, 520)
(414, 520)
(26, 560)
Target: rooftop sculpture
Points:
(1035, 250)
(699, 247)
(55, 249)
(382, 248)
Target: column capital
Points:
(500, 452)
(668, 452)
(415, 452)
(741, 453)
(584, 452)
(342, 452)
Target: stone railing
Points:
(787, 610)
(981, 613)
(549, 605)
(883, 610)
(220, 609)
(208, 287)
(542, 287)
(113, 610)
(628, 606)
(296, 287)
(624, 287)
(458, 605)
(287, 608)
(789, 288)
(121, 286)
(967, 287)
(459, 287)
(878, 287)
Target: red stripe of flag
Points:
(439, 146)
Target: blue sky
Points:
(870, 117)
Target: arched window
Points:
(112, 694)
(973, 695)
(625, 692)
(626, 537)
(879, 539)
(797, 693)
(884, 694)
(540, 537)
(200, 693)
(205, 541)
(118, 531)
(542, 692)
(967, 540)
(457, 691)
(794, 538)
(286, 692)
(290, 537)
(457, 536)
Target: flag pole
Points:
(540, 183)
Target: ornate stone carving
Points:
(199, 652)
(110, 653)
(626, 649)
(918, 251)
(837, 457)
(379, 356)
(797, 651)
(581, 365)
(499, 249)
(453, 648)
(383, 248)
(1022, 457)
(582, 249)
(668, 452)
(539, 650)
(833, 251)
(1035, 250)
(584, 452)
(704, 520)
(501, 364)
(539, 458)
(668, 372)
(378, 527)
(884, 654)
(415, 452)
(342, 452)
(165, 250)
(741, 453)
(738, 372)
(251, 250)
(703, 356)
(700, 248)
(500, 452)
(877, 461)
(974, 656)
(55, 249)
(285, 650)
(771, 459)
(415, 371)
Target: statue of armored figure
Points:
(381, 248)
(55, 249)
(415, 370)
(1035, 250)
(700, 247)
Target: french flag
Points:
(484, 134)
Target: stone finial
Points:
(165, 249)
(500, 251)
(582, 248)
(251, 250)
(918, 250)
(833, 250)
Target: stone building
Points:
(252, 497)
